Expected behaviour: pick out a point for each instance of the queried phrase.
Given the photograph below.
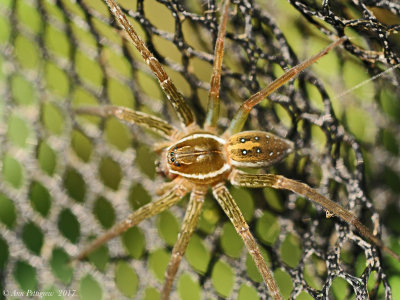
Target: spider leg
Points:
(244, 110)
(231, 209)
(281, 182)
(213, 95)
(188, 226)
(130, 116)
(174, 96)
(165, 187)
(144, 212)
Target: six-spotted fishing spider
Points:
(197, 159)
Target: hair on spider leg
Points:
(196, 158)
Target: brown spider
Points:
(198, 158)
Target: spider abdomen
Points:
(256, 148)
(199, 157)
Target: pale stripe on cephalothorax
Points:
(225, 168)
(199, 135)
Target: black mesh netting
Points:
(65, 178)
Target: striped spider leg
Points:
(176, 99)
(170, 198)
(197, 159)
(280, 182)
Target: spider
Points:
(197, 158)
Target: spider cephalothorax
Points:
(197, 158)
